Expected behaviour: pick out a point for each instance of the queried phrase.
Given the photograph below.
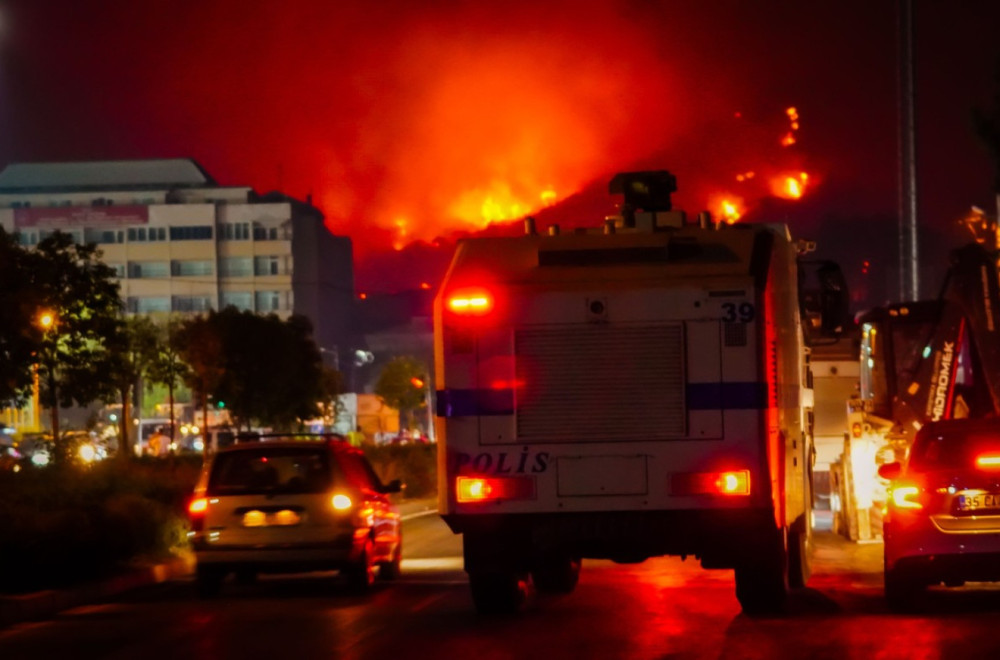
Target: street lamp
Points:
(47, 322)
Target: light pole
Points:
(47, 322)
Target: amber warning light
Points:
(471, 302)
(488, 489)
(732, 482)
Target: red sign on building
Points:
(55, 217)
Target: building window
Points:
(27, 238)
(190, 268)
(145, 305)
(143, 234)
(103, 235)
(192, 303)
(74, 234)
(119, 270)
(148, 269)
(193, 233)
(268, 301)
(236, 267)
(234, 231)
(241, 300)
(267, 265)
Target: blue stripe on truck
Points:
(699, 396)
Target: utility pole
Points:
(909, 284)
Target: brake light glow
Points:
(988, 461)
(486, 489)
(471, 302)
(341, 502)
(729, 482)
(198, 506)
(905, 497)
(734, 483)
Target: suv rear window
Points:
(271, 469)
(955, 449)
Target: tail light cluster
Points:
(196, 513)
(470, 302)
(487, 489)
(989, 461)
(729, 483)
(907, 497)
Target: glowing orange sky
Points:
(406, 121)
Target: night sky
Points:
(410, 121)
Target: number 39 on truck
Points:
(636, 390)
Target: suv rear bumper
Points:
(281, 558)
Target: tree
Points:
(20, 336)
(166, 366)
(133, 349)
(403, 385)
(199, 344)
(272, 369)
(267, 371)
(79, 294)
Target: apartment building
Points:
(181, 243)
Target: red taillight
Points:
(486, 489)
(988, 461)
(198, 506)
(196, 513)
(471, 302)
(729, 482)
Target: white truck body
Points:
(626, 393)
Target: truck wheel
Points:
(799, 549)
(499, 592)
(556, 575)
(208, 581)
(762, 580)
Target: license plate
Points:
(978, 501)
(283, 518)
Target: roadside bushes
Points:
(63, 526)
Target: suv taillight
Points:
(196, 513)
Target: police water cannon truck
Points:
(637, 390)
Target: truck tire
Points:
(762, 579)
(799, 553)
(503, 592)
(556, 575)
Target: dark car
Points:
(942, 522)
(299, 503)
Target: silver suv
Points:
(293, 503)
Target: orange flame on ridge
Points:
(790, 186)
(793, 125)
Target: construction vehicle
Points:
(636, 390)
(922, 362)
